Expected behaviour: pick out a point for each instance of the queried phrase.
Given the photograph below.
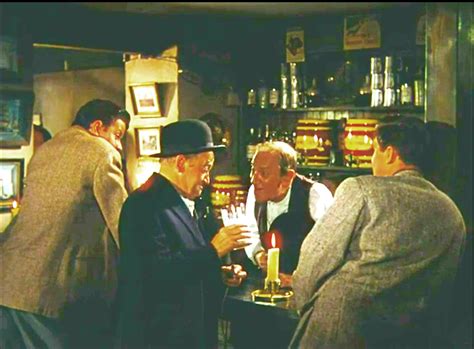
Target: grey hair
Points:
(288, 155)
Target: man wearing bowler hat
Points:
(170, 273)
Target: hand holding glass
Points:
(237, 215)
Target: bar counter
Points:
(258, 324)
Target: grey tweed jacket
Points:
(62, 248)
(379, 265)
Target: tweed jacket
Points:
(170, 288)
(62, 248)
(379, 265)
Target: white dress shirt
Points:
(320, 198)
(189, 204)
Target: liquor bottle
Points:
(313, 95)
(251, 98)
(274, 95)
(419, 87)
(252, 143)
(262, 94)
(267, 135)
(406, 87)
(303, 86)
(363, 98)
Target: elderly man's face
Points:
(266, 178)
(197, 174)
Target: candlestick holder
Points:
(272, 286)
(271, 293)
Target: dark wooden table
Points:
(258, 324)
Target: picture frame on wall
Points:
(147, 140)
(11, 182)
(145, 99)
(16, 114)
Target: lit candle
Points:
(273, 262)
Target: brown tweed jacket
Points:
(62, 248)
(378, 266)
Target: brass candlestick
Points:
(271, 293)
(272, 286)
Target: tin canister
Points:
(375, 65)
(388, 64)
(388, 81)
(284, 85)
(359, 137)
(376, 81)
(294, 86)
(376, 98)
(389, 97)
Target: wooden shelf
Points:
(408, 109)
(354, 109)
(340, 169)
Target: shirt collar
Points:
(189, 204)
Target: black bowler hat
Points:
(186, 137)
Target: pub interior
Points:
(319, 76)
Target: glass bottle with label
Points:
(251, 98)
(406, 87)
(262, 94)
(313, 95)
(419, 87)
(274, 95)
(252, 143)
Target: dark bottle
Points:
(251, 98)
(363, 98)
(406, 87)
(262, 94)
(419, 87)
(252, 143)
(304, 85)
(274, 95)
(313, 95)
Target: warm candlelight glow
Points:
(273, 240)
(14, 204)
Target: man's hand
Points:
(227, 238)
(233, 275)
(286, 280)
(262, 257)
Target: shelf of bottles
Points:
(305, 106)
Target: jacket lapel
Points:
(190, 233)
(182, 212)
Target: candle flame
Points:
(14, 204)
(273, 240)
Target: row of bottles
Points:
(258, 135)
(387, 82)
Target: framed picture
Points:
(15, 118)
(147, 140)
(11, 182)
(145, 99)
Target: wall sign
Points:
(294, 45)
(362, 31)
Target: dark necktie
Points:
(262, 218)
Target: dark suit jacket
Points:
(169, 277)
